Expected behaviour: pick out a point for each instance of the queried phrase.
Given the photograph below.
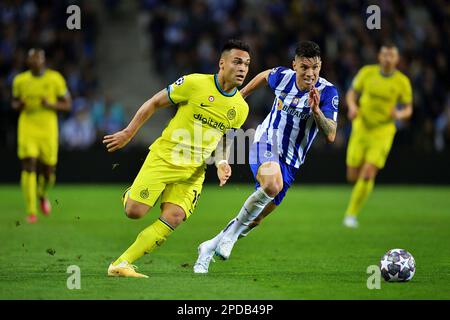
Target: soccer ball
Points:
(397, 265)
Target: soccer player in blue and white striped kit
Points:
(304, 104)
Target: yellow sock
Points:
(45, 184)
(28, 182)
(360, 193)
(147, 241)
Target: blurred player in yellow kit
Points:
(38, 94)
(385, 95)
(208, 107)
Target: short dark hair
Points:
(235, 44)
(307, 49)
(388, 44)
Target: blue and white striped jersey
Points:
(290, 123)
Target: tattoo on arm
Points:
(326, 126)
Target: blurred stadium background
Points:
(128, 50)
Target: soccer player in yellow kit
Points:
(385, 95)
(209, 106)
(38, 94)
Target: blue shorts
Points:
(263, 152)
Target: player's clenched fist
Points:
(117, 140)
(224, 173)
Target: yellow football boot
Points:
(124, 269)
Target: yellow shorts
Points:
(43, 148)
(370, 147)
(175, 184)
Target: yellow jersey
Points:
(35, 119)
(379, 95)
(205, 113)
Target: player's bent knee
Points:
(173, 215)
(174, 219)
(351, 178)
(134, 214)
(352, 174)
(134, 211)
(29, 164)
(272, 188)
(369, 172)
(369, 176)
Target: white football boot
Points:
(205, 255)
(351, 222)
(224, 248)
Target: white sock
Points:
(252, 207)
(246, 231)
(215, 241)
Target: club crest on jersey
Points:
(279, 104)
(335, 101)
(144, 194)
(211, 99)
(268, 154)
(180, 81)
(231, 114)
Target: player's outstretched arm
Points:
(121, 138)
(255, 83)
(325, 125)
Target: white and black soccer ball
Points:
(397, 265)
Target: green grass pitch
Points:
(302, 251)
